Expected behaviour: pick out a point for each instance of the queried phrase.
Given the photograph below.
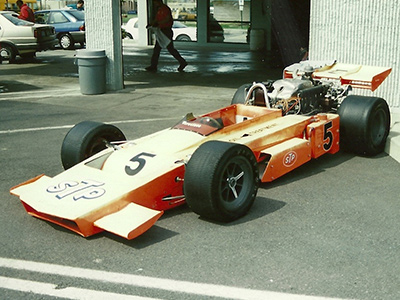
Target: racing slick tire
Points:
(221, 181)
(364, 124)
(86, 139)
(240, 95)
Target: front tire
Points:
(86, 139)
(7, 52)
(364, 124)
(221, 180)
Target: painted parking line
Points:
(33, 129)
(49, 289)
(201, 289)
(67, 92)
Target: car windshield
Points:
(13, 18)
(79, 15)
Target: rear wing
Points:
(358, 76)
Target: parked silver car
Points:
(19, 37)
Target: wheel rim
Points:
(5, 53)
(65, 42)
(378, 127)
(96, 146)
(236, 183)
(183, 38)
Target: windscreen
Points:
(79, 15)
(13, 18)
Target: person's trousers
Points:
(171, 49)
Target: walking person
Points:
(163, 21)
(26, 12)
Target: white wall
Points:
(359, 31)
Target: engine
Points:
(297, 96)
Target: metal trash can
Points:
(92, 71)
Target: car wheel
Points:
(183, 38)
(86, 139)
(240, 95)
(7, 52)
(221, 180)
(66, 41)
(364, 124)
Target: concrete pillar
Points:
(261, 19)
(202, 19)
(103, 31)
(142, 22)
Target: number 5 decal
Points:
(328, 135)
(136, 163)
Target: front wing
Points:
(122, 218)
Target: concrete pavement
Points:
(328, 229)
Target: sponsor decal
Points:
(137, 163)
(289, 159)
(86, 189)
(191, 124)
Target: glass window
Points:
(79, 15)
(12, 17)
(184, 13)
(42, 18)
(228, 21)
(57, 17)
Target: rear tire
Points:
(364, 124)
(86, 139)
(183, 38)
(66, 41)
(221, 181)
(240, 95)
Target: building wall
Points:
(359, 31)
(103, 31)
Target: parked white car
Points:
(19, 37)
(181, 31)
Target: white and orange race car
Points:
(213, 162)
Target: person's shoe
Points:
(182, 66)
(151, 69)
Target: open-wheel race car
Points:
(213, 162)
